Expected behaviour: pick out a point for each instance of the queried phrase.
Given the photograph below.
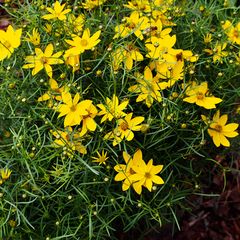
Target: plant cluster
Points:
(91, 91)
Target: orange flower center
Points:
(147, 175)
(131, 171)
(218, 128)
(44, 60)
(131, 25)
(236, 33)
(73, 108)
(124, 126)
(200, 95)
(84, 42)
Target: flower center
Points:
(218, 128)
(200, 95)
(84, 42)
(131, 25)
(131, 171)
(124, 126)
(147, 175)
(236, 33)
(44, 60)
(73, 108)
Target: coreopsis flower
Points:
(112, 109)
(72, 60)
(88, 122)
(9, 41)
(5, 173)
(158, 48)
(218, 52)
(139, 5)
(81, 44)
(34, 38)
(169, 72)
(232, 32)
(148, 88)
(124, 171)
(125, 128)
(127, 55)
(43, 60)
(55, 93)
(219, 130)
(101, 158)
(72, 109)
(137, 173)
(57, 12)
(90, 4)
(207, 38)
(135, 24)
(127, 125)
(70, 140)
(160, 14)
(145, 175)
(198, 94)
(75, 23)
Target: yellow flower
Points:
(232, 32)
(158, 48)
(112, 109)
(218, 52)
(34, 38)
(169, 71)
(54, 93)
(127, 125)
(139, 5)
(72, 141)
(57, 12)
(218, 130)
(5, 173)
(208, 38)
(148, 88)
(127, 55)
(198, 94)
(137, 173)
(9, 41)
(145, 175)
(101, 159)
(86, 42)
(88, 123)
(125, 170)
(43, 60)
(72, 109)
(133, 24)
(72, 60)
(90, 4)
(75, 23)
(125, 128)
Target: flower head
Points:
(9, 41)
(72, 109)
(70, 140)
(5, 173)
(81, 44)
(43, 60)
(219, 130)
(199, 94)
(112, 109)
(34, 38)
(101, 158)
(57, 12)
(137, 173)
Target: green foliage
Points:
(57, 192)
